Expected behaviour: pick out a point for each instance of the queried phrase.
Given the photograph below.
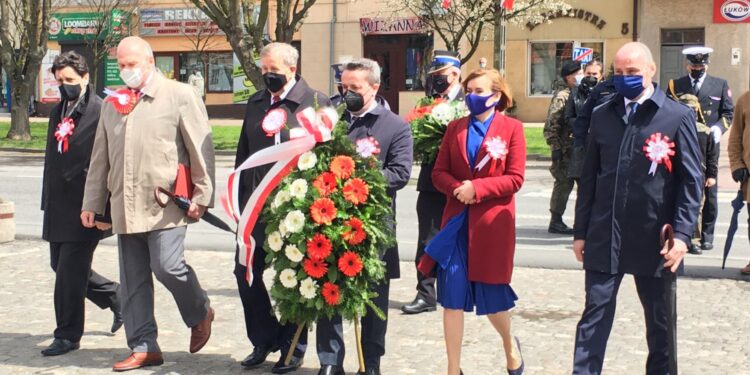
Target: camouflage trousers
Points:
(563, 184)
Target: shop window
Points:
(220, 72)
(546, 60)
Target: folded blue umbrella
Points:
(737, 204)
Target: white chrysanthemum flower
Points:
(307, 160)
(288, 278)
(307, 288)
(294, 221)
(281, 197)
(442, 112)
(282, 229)
(460, 110)
(298, 188)
(293, 253)
(275, 242)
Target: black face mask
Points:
(354, 101)
(697, 73)
(587, 83)
(70, 92)
(274, 81)
(440, 84)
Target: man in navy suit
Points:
(368, 118)
(642, 170)
(717, 108)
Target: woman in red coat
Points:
(480, 167)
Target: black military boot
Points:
(556, 226)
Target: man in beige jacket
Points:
(137, 149)
(739, 150)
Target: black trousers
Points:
(709, 214)
(430, 207)
(330, 334)
(74, 282)
(595, 325)
(263, 328)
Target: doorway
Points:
(673, 41)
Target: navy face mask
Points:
(628, 86)
(478, 104)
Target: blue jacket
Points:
(621, 207)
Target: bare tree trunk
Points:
(19, 113)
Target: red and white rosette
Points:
(272, 124)
(316, 128)
(367, 147)
(659, 150)
(123, 99)
(63, 133)
(497, 149)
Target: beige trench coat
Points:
(137, 152)
(739, 139)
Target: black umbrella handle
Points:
(667, 235)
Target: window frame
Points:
(576, 43)
(208, 74)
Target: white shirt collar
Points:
(700, 80)
(287, 88)
(369, 109)
(453, 93)
(645, 96)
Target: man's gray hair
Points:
(288, 54)
(370, 66)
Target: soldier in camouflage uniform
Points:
(559, 136)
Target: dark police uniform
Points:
(620, 210)
(394, 136)
(717, 109)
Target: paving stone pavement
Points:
(713, 325)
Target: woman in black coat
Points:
(70, 138)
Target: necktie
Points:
(632, 108)
(275, 99)
(695, 85)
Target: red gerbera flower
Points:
(331, 293)
(356, 235)
(326, 184)
(350, 264)
(316, 268)
(356, 191)
(323, 211)
(319, 247)
(342, 166)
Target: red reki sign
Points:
(731, 11)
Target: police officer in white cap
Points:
(715, 99)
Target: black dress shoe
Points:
(59, 347)
(558, 227)
(331, 370)
(258, 356)
(370, 371)
(417, 306)
(117, 319)
(281, 368)
(707, 246)
(692, 249)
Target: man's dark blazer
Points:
(599, 94)
(253, 138)
(396, 150)
(620, 207)
(65, 174)
(714, 96)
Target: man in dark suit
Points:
(367, 118)
(288, 91)
(338, 98)
(717, 109)
(633, 182)
(445, 74)
(72, 246)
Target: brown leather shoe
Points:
(138, 360)
(202, 332)
(746, 270)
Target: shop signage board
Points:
(242, 88)
(176, 21)
(584, 55)
(731, 11)
(49, 91)
(112, 70)
(397, 26)
(83, 26)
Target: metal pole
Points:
(332, 45)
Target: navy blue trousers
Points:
(595, 325)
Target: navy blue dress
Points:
(449, 249)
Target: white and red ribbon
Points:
(272, 124)
(316, 128)
(367, 147)
(123, 99)
(63, 133)
(497, 149)
(659, 150)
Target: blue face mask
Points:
(628, 86)
(478, 104)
